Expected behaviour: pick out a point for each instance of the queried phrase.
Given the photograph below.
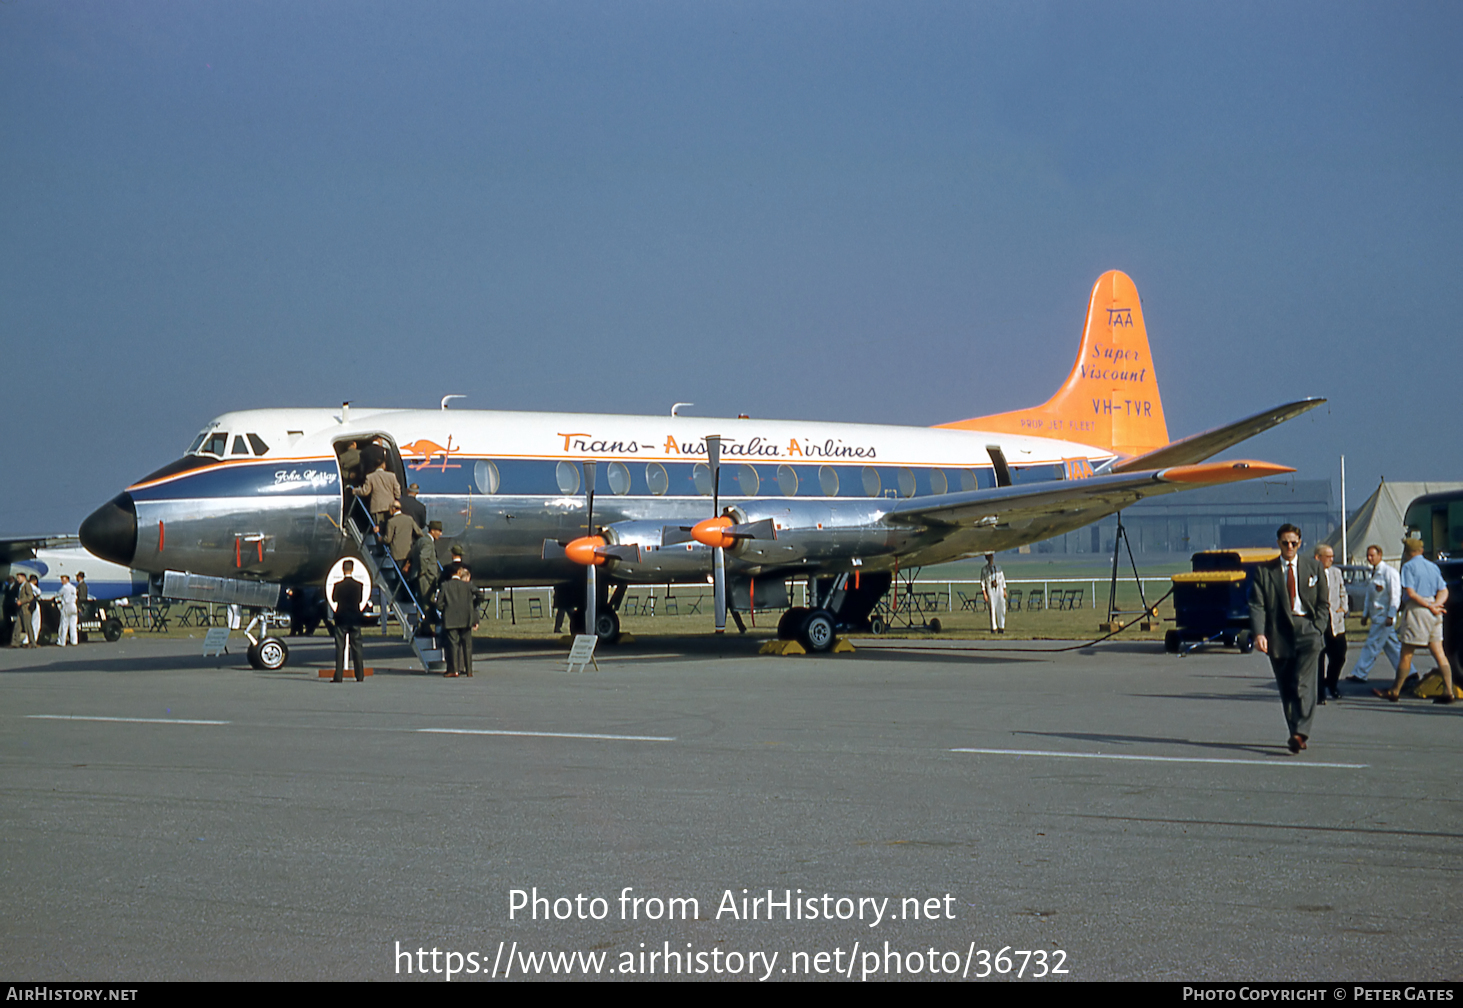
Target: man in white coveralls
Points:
(993, 584)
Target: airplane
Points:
(50, 556)
(258, 500)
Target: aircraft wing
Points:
(1020, 505)
(13, 548)
(1198, 447)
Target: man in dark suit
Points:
(347, 596)
(1288, 615)
(459, 619)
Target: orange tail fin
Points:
(1110, 400)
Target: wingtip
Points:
(1222, 472)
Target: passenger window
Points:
(657, 478)
(260, 448)
(487, 477)
(872, 484)
(617, 474)
(906, 482)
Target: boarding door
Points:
(356, 457)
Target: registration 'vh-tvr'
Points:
(258, 500)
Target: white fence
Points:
(947, 589)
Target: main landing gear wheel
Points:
(606, 628)
(270, 654)
(791, 623)
(818, 631)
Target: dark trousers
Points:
(1295, 675)
(426, 588)
(358, 654)
(459, 650)
(1333, 658)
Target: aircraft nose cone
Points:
(110, 531)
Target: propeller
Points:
(720, 532)
(589, 551)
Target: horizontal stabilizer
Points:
(1199, 447)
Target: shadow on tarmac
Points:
(1248, 747)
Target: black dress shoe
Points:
(1335, 693)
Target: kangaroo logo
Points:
(427, 450)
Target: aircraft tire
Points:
(112, 631)
(819, 631)
(607, 626)
(791, 623)
(269, 655)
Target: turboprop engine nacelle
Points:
(811, 533)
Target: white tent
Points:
(1379, 520)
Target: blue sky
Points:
(871, 212)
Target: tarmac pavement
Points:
(1124, 813)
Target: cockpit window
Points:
(241, 447)
(196, 442)
(215, 445)
(260, 448)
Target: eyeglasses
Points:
(1290, 542)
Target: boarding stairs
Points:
(396, 595)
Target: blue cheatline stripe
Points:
(1160, 759)
(539, 477)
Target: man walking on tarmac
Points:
(1383, 598)
(993, 584)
